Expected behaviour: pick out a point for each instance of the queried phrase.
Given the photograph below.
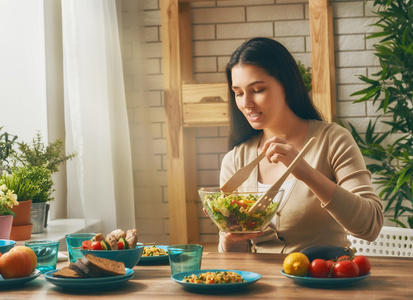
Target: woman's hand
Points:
(236, 242)
(279, 150)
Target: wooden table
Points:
(391, 278)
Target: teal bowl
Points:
(6, 245)
(130, 257)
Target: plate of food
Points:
(324, 282)
(90, 273)
(12, 282)
(216, 279)
(154, 254)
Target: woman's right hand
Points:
(236, 242)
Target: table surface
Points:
(391, 278)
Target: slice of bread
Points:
(89, 272)
(74, 267)
(66, 272)
(103, 265)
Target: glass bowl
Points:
(229, 211)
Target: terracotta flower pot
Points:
(22, 212)
(5, 226)
(21, 233)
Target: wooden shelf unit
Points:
(189, 105)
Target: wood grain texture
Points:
(322, 57)
(390, 279)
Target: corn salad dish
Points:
(215, 278)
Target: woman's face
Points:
(259, 96)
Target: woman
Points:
(329, 193)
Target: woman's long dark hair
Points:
(273, 58)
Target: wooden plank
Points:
(189, 157)
(178, 226)
(322, 57)
(205, 114)
(205, 92)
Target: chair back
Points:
(392, 241)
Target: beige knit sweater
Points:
(302, 220)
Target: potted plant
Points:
(41, 162)
(7, 201)
(391, 88)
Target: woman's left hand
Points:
(280, 150)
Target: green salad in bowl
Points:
(230, 212)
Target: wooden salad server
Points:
(263, 202)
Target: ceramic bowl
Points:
(130, 257)
(229, 211)
(6, 245)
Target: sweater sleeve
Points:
(354, 204)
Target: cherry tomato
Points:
(96, 245)
(346, 269)
(121, 246)
(363, 263)
(343, 257)
(86, 245)
(319, 268)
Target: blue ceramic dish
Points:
(130, 257)
(6, 245)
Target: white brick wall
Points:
(218, 27)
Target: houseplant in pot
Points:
(34, 185)
(391, 89)
(42, 161)
(25, 191)
(7, 201)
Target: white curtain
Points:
(100, 184)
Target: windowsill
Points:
(57, 230)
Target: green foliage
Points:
(6, 147)
(392, 88)
(23, 188)
(306, 73)
(40, 177)
(39, 155)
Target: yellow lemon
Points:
(33, 257)
(296, 264)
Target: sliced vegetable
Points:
(86, 245)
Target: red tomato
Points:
(86, 244)
(121, 246)
(346, 269)
(343, 257)
(363, 263)
(319, 268)
(96, 245)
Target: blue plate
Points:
(102, 283)
(6, 245)
(6, 283)
(324, 282)
(249, 277)
(155, 259)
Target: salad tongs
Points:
(242, 174)
(267, 197)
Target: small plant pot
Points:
(21, 233)
(22, 212)
(5, 226)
